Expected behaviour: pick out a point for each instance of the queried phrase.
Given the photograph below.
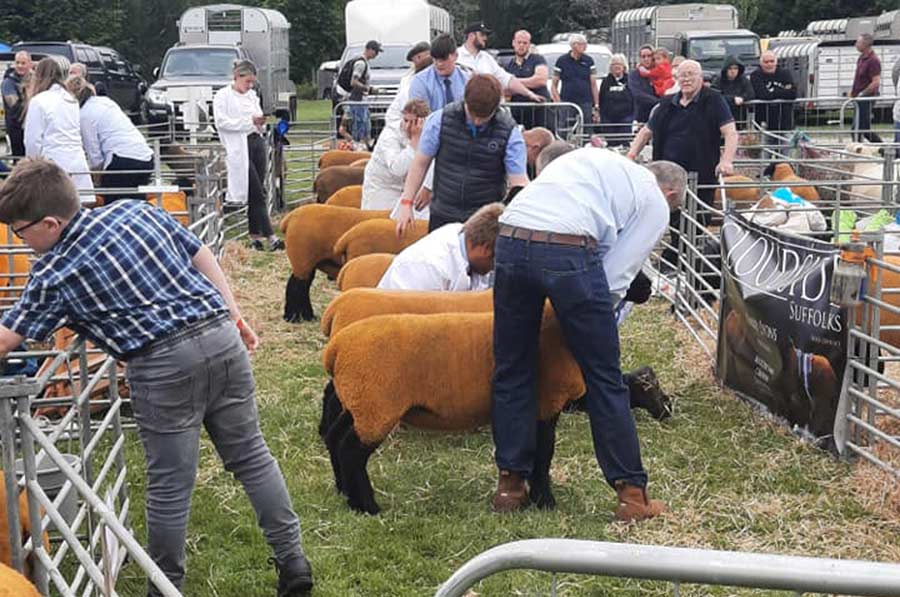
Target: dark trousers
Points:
(530, 116)
(435, 221)
(257, 215)
(616, 131)
(113, 179)
(575, 282)
(862, 122)
(16, 141)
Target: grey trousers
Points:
(202, 375)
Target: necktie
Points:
(448, 92)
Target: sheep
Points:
(360, 163)
(740, 195)
(174, 203)
(13, 584)
(14, 267)
(782, 172)
(868, 170)
(365, 271)
(310, 232)
(341, 157)
(376, 236)
(350, 196)
(362, 404)
(331, 179)
(25, 527)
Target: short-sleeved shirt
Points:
(868, 66)
(526, 70)
(12, 87)
(429, 85)
(575, 76)
(430, 143)
(482, 63)
(122, 275)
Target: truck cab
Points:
(710, 48)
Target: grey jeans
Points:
(202, 375)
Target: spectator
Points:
(641, 88)
(13, 91)
(688, 130)
(475, 148)
(578, 74)
(734, 86)
(775, 85)
(420, 56)
(471, 55)
(661, 74)
(444, 82)
(145, 289)
(239, 121)
(77, 69)
(896, 79)
(577, 235)
(358, 88)
(455, 257)
(111, 142)
(394, 152)
(53, 126)
(866, 83)
(616, 103)
(531, 70)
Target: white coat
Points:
(234, 114)
(53, 131)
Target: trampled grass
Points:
(731, 479)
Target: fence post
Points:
(8, 433)
(887, 190)
(40, 576)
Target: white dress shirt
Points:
(106, 131)
(53, 131)
(436, 262)
(601, 194)
(483, 63)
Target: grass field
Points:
(732, 479)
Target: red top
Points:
(868, 66)
(660, 77)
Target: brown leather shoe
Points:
(511, 494)
(634, 505)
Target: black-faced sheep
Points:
(350, 196)
(376, 235)
(330, 180)
(341, 157)
(365, 271)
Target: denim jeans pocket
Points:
(165, 406)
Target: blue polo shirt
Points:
(430, 143)
(526, 70)
(575, 76)
(430, 86)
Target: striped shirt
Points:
(121, 275)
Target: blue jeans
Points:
(897, 132)
(361, 127)
(575, 282)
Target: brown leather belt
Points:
(552, 238)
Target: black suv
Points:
(104, 65)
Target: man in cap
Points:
(471, 54)
(420, 57)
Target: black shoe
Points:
(646, 393)
(257, 245)
(294, 576)
(276, 245)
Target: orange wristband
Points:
(241, 326)
(406, 202)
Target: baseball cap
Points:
(478, 27)
(373, 45)
(422, 46)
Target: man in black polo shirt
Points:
(688, 129)
(578, 74)
(531, 69)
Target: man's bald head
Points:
(23, 63)
(536, 139)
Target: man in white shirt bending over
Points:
(472, 55)
(455, 257)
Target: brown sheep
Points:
(13, 584)
(784, 173)
(376, 236)
(362, 404)
(310, 232)
(742, 196)
(350, 196)
(25, 527)
(329, 180)
(365, 271)
(341, 157)
(889, 280)
(360, 163)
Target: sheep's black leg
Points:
(354, 457)
(332, 438)
(539, 483)
(331, 408)
(297, 304)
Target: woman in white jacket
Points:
(53, 126)
(239, 120)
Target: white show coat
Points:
(394, 115)
(106, 131)
(234, 114)
(386, 170)
(53, 131)
(436, 262)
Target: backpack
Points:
(346, 75)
